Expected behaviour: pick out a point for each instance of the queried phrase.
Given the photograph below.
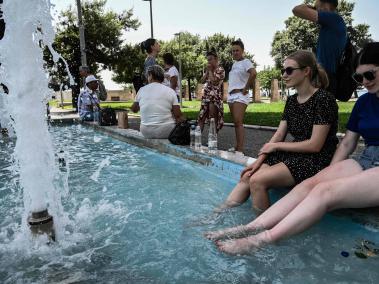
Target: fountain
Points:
(28, 30)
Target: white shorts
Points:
(238, 98)
(157, 131)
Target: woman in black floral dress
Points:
(311, 117)
(211, 102)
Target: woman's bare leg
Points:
(353, 188)
(285, 205)
(241, 191)
(264, 178)
(238, 114)
(201, 121)
(275, 176)
(213, 113)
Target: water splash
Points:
(28, 30)
(104, 163)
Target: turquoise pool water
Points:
(137, 216)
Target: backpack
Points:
(107, 117)
(345, 69)
(180, 135)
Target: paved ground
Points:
(254, 140)
(255, 137)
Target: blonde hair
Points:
(318, 76)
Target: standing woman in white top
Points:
(171, 73)
(241, 78)
(158, 106)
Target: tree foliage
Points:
(103, 31)
(266, 76)
(303, 34)
(129, 62)
(223, 46)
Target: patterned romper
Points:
(213, 94)
(320, 109)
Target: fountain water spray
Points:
(28, 29)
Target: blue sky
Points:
(255, 22)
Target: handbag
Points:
(180, 135)
(107, 117)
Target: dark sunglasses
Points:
(289, 70)
(368, 75)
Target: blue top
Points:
(364, 119)
(331, 41)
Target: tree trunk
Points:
(189, 89)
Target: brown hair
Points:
(319, 78)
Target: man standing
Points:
(332, 38)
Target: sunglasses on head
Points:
(368, 75)
(289, 70)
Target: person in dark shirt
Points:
(346, 183)
(332, 38)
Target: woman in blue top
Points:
(346, 183)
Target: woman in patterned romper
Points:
(211, 102)
(311, 117)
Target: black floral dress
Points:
(213, 94)
(320, 109)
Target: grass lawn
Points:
(266, 114)
(256, 114)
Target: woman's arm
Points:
(312, 145)
(177, 113)
(205, 77)
(346, 147)
(250, 81)
(306, 12)
(279, 135)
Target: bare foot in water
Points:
(227, 233)
(244, 245)
(235, 232)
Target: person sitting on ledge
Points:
(346, 183)
(88, 102)
(158, 105)
(311, 117)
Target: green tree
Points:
(303, 34)
(266, 76)
(192, 55)
(103, 31)
(129, 62)
(223, 46)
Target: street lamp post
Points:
(151, 17)
(180, 70)
(81, 35)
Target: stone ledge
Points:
(230, 164)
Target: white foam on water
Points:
(96, 139)
(104, 163)
(28, 30)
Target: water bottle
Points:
(212, 137)
(198, 138)
(192, 134)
